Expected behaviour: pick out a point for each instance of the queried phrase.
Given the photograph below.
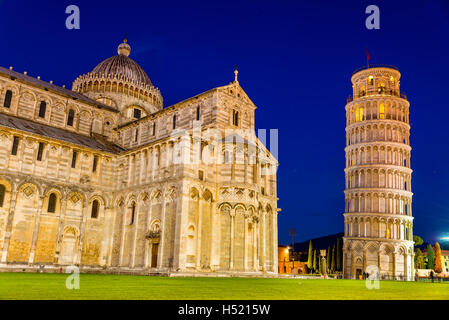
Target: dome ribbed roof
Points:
(122, 65)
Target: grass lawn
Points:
(52, 286)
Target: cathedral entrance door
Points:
(154, 250)
(358, 274)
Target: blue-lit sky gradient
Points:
(295, 60)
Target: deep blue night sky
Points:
(295, 60)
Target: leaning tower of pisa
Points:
(378, 197)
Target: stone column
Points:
(108, 231)
(122, 236)
(114, 218)
(245, 242)
(9, 221)
(163, 235)
(147, 241)
(135, 225)
(150, 164)
(275, 240)
(216, 237)
(179, 259)
(60, 228)
(198, 239)
(129, 175)
(82, 230)
(35, 230)
(380, 229)
(263, 240)
(256, 245)
(231, 263)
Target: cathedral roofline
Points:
(20, 77)
(177, 104)
(167, 109)
(57, 134)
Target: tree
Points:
(430, 257)
(419, 259)
(339, 255)
(438, 263)
(310, 256)
(314, 261)
(334, 258)
(318, 258)
(328, 259)
(418, 240)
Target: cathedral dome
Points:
(122, 65)
(119, 82)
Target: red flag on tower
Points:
(367, 57)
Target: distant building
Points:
(287, 263)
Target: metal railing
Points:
(379, 91)
(376, 66)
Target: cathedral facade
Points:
(105, 178)
(378, 197)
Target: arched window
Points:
(362, 91)
(52, 203)
(370, 80)
(174, 121)
(8, 98)
(42, 109)
(198, 112)
(95, 163)
(40, 150)
(235, 117)
(95, 207)
(133, 212)
(15, 145)
(70, 117)
(381, 111)
(137, 113)
(74, 157)
(392, 80)
(2, 194)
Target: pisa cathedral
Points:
(106, 178)
(378, 212)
